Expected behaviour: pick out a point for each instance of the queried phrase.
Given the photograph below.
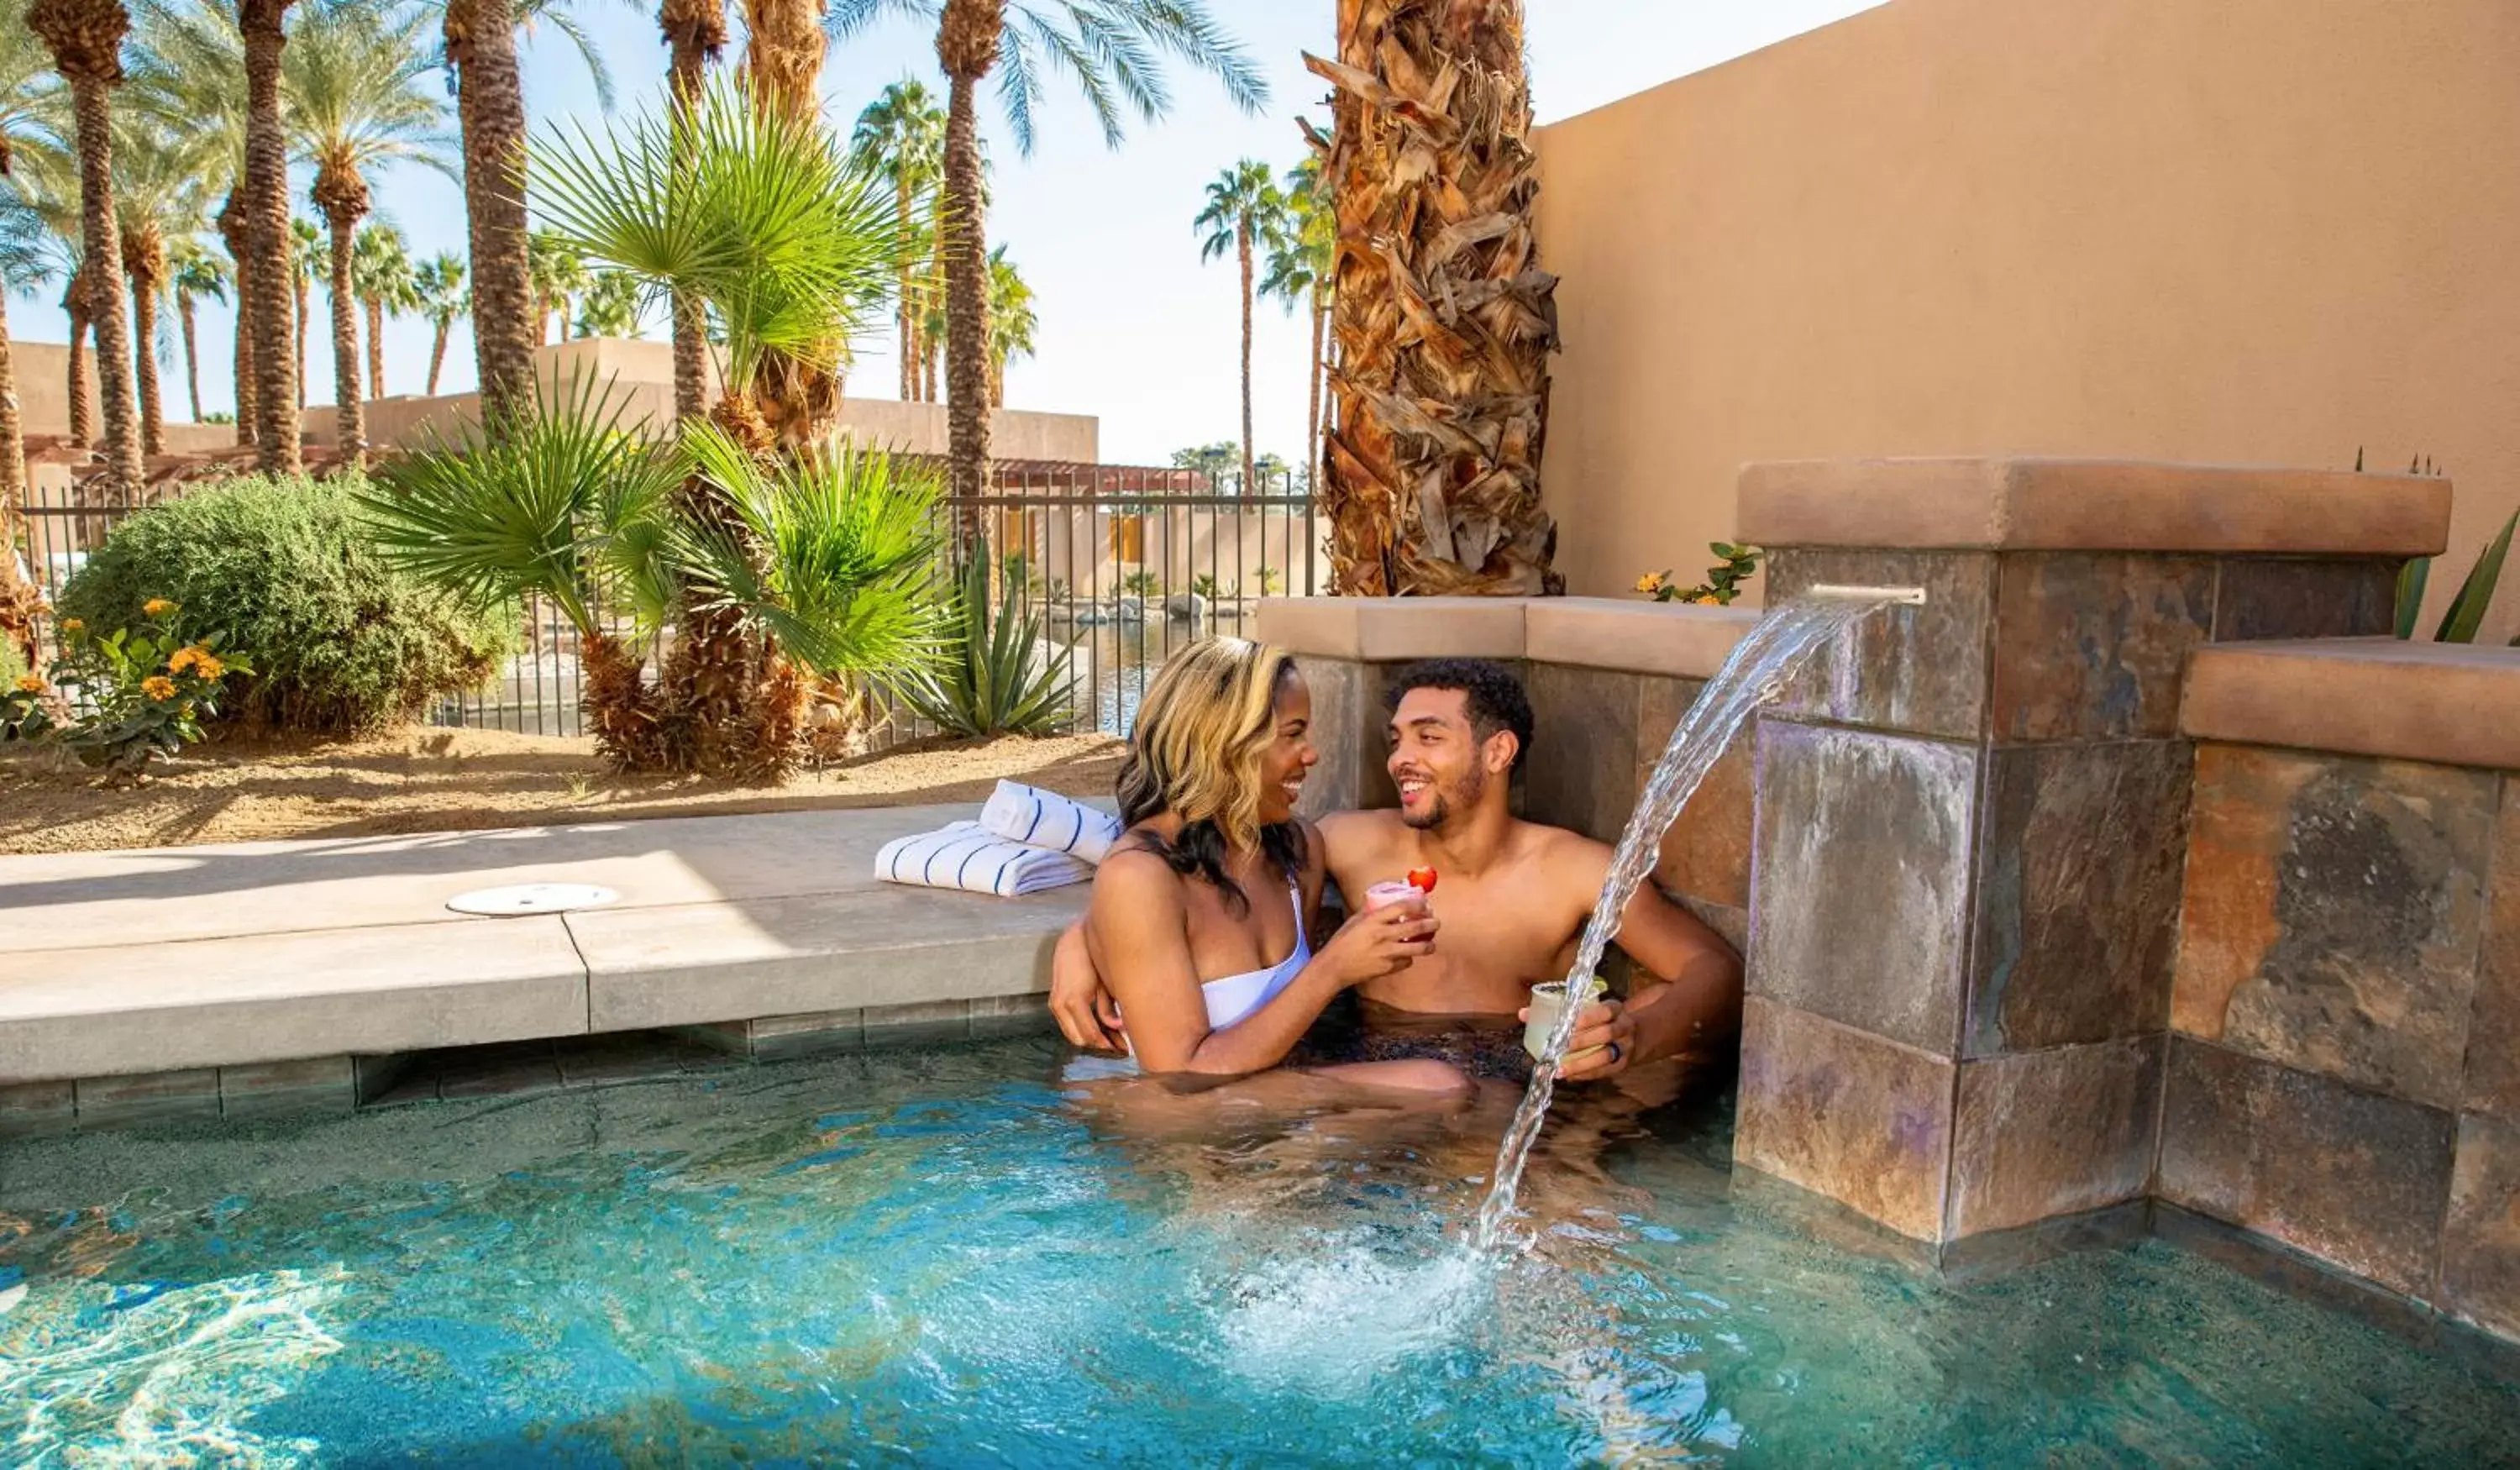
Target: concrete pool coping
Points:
(240, 953)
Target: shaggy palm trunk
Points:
(490, 103)
(1313, 372)
(192, 349)
(437, 352)
(82, 410)
(268, 267)
(144, 263)
(967, 46)
(1242, 251)
(1443, 317)
(236, 234)
(903, 314)
(85, 38)
(375, 308)
(305, 309)
(349, 413)
(19, 599)
(694, 34)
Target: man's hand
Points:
(1087, 1015)
(1604, 1024)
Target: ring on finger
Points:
(1615, 1053)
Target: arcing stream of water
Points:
(1758, 668)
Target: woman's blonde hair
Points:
(1201, 730)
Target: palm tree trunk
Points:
(695, 33)
(437, 353)
(782, 56)
(1457, 509)
(305, 308)
(349, 415)
(376, 314)
(143, 356)
(1313, 394)
(17, 596)
(237, 233)
(1243, 248)
(101, 243)
(192, 361)
(82, 410)
(268, 267)
(490, 103)
(966, 283)
(901, 308)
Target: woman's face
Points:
(1289, 754)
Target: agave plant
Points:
(994, 680)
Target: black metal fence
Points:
(1123, 563)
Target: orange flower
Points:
(156, 607)
(29, 683)
(73, 625)
(157, 687)
(208, 667)
(182, 659)
(1649, 582)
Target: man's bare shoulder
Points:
(1564, 853)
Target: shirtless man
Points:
(1512, 896)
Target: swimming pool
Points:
(940, 1257)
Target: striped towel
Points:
(963, 855)
(1037, 817)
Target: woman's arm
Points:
(1138, 929)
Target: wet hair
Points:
(1492, 697)
(1202, 729)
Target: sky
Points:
(1134, 327)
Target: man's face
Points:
(1437, 760)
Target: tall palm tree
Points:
(306, 266)
(188, 77)
(1443, 317)
(789, 242)
(26, 259)
(1243, 208)
(161, 200)
(609, 305)
(85, 39)
(357, 77)
(1011, 322)
(439, 284)
(380, 272)
(268, 270)
(559, 274)
(902, 133)
(196, 274)
(490, 102)
(695, 33)
(1299, 272)
(1112, 48)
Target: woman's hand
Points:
(1380, 942)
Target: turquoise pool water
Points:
(942, 1258)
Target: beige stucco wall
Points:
(42, 372)
(638, 377)
(2233, 230)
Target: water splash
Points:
(1758, 668)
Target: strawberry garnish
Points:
(1422, 879)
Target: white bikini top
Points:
(1235, 997)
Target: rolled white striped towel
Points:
(967, 855)
(1037, 817)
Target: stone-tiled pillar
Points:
(1971, 818)
(2345, 1025)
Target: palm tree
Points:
(196, 274)
(26, 259)
(902, 133)
(438, 285)
(380, 272)
(558, 274)
(490, 102)
(788, 241)
(609, 305)
(1299, 271)
(695, 33)
(268, 269)
(188, 74)
(1443, 318)
(356, 75)
(161, 200)
(1244, 205)
(1112, 48)
(85, 39)
(1011, 322)
(306, 266)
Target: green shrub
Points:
(283, 568)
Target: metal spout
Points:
(1911, 596)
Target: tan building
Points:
(2252, 230)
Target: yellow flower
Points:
(182, 659)
(1705, 599)
(73, 625)
(157, 687)
(208, 667)
(29, 683)
(156, 607)
(1649, 582)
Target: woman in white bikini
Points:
(1201, 914)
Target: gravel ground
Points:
(423, 779)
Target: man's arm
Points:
(1693, 994)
